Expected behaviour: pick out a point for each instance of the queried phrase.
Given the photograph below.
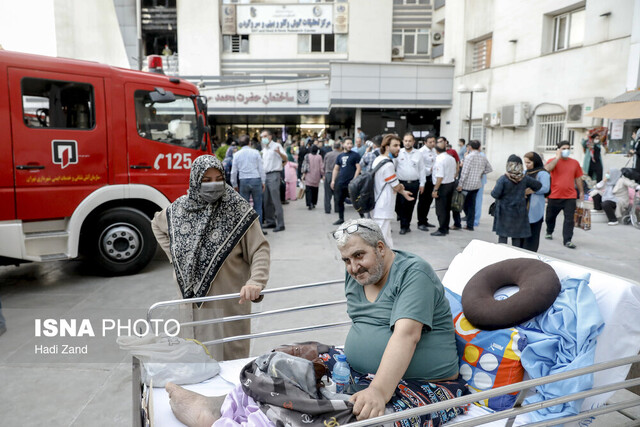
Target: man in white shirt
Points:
(410, 170)
(429, 154)
(272, 157)
(247, 174)
(443, 177)
(386, 186)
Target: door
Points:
(59, 141)
(162, 139)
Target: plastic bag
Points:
(582, 217)
(170, 359)
(457, 201)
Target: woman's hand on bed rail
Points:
(249, 293)
(368, 403)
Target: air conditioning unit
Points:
(397, 52)
(491, 120)
(515, 115)
(437, 37)
(577, 112)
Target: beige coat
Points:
(248, 264)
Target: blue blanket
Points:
(559, 340)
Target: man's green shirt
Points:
(412, 291)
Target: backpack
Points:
(362, 190)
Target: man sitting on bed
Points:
(401, 320)
(402, 331)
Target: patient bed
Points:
(617, 348)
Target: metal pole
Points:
(139, 32)
(470, 112)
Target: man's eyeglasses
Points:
(349, 230)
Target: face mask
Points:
(265, 141)
(212, 191)
(566, 153)
(391, 156)
(607, 176)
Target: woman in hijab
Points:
(536, 199)
(289, 153)
(213, 238)
(511, 218)
(312, 176)
(614, 189)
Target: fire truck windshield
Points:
(171, 122)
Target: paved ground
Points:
(95, 389)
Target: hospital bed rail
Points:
(509, 415)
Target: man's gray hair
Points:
(370, 232)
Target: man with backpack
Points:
(347, 168)
(386, 185)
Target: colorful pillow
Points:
(488, 359)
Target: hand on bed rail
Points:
(249, 293)
(368, 403)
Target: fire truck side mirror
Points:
(202, 103)
(202, 131)
(162, 96)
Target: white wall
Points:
(67, 28)
(22, 30)
(199, 42)
(370, 30)
(89, 30)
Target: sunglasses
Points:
(350, 230)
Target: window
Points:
(551, 131)
(322, 43)
(415, 42)
(57, 104)
(481, 55)
(236, 43)
(478, 131)
(568, 30)
(172, 122)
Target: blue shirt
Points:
(536, 202)
(347, 163)
(247, 163)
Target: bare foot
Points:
(193, 409)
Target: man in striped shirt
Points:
(474, 166)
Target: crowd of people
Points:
(529, 194)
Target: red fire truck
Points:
(88, 153)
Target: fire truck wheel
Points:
(122, 243)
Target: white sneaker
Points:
(612, 223)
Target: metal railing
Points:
(509, 415)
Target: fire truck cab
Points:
(88, 153)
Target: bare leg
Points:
(193, 409)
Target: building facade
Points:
(517, 75)
(543, 66)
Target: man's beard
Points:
(375, 274)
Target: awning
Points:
(625, 106)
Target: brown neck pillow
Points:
(539, 286)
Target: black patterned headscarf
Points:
(203, 234)
(515, 170)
